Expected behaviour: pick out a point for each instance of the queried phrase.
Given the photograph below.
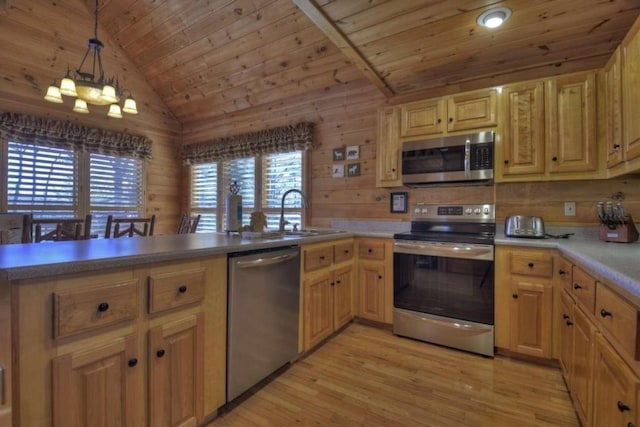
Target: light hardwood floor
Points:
(368, 377)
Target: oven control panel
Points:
(472, 213)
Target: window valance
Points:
(284, 139)
(63, 134)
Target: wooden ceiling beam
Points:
(322, 21)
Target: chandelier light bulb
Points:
(81, 106)
(68, 86)
(109, 94)
(130, 106)
(114, 111)
(53, 94)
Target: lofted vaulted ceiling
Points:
(209, 58)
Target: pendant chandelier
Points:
(90, 86)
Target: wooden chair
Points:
(58, 229)
(129, 226)
(188, 224)
(14, 228)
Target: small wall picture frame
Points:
(337, 171)
(399, 202)
(353, 152)
(338, 154)
(353, 169)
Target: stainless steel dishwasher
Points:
(262, 322)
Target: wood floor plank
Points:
(367, 376)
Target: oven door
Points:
(453, 280)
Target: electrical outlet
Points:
(569, 208)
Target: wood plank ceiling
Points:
(210, 58)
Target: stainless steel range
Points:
(444, 277)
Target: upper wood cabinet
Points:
(571, 123)
(470, 110)
(388, 155)
(612, 104)
(630, 58)
(522, 128)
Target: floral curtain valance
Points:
(276, 140)
(62, 134)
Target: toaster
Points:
(524, 226)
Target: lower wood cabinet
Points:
(99, 386)
(584, 333)
(5, 356)
(327, 289)
(375, 279)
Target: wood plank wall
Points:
(39, 39)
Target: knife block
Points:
(622, 233)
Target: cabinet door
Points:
(571, 123)
(342, 296)
(531, 317)
(371, 291)
(583, 350)
(388, 173)
(566, 337)
(98, 387)
(422, 118)
(5, 356)
(612, 83)
(176, 362)
(472, 110)
(614, 388)
(318, 308)
(523, 129)
(631, 90)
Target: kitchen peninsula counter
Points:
(36, 260)
(617, 263)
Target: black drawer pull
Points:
(321, 257)
(565, 316)
(531, 265)
(515, 296)
(569, 323)
(506, 162)
(605, 313)
(562, 272)
(102, 307)
(554, 158)
(576, 286)
(380, 277)
(622, 407)
(132, 362)
(346, 251)
(182, 289)
(616, 146)
(369, 250)
(160, 353)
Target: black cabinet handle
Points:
(338, 282)
(332, 284)
(569, 323)
(182, 289)
(369, 250)
(616, 146)
(531, 265)
(554, 158)
(132, 362)
(346, 251)
(565, 316)
(160, 353)
(605, 313)
(102, 307)
(562, 272)
(631, 425)
(576, 286)
(439, 120)
(506, 162)
(515, 296)
(380, 277)
(321, 257)
(450, 119)
(622, 407)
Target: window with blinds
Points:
(262, 182)
(47, 182)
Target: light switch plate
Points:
(569, 208)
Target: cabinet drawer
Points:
(539, 264)
(342, 252)
(79, 311)
(564, 274)
(318, 258)
(170, 290)
(371, 250)
(618, 317)
(584, 288)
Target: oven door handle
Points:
(454, 251)
(460, 326)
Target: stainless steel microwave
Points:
(462, 159)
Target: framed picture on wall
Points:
(353, 152)
(337, 171)
(399, 202)
(338, 154)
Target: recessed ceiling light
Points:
(494, 17)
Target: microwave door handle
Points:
(467, 158)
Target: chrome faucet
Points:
(304, 203)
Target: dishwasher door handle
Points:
(262, 262)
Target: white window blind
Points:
(41, 180)
(204, 195)
(262, 181)
(281, 172)
(116, 187)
